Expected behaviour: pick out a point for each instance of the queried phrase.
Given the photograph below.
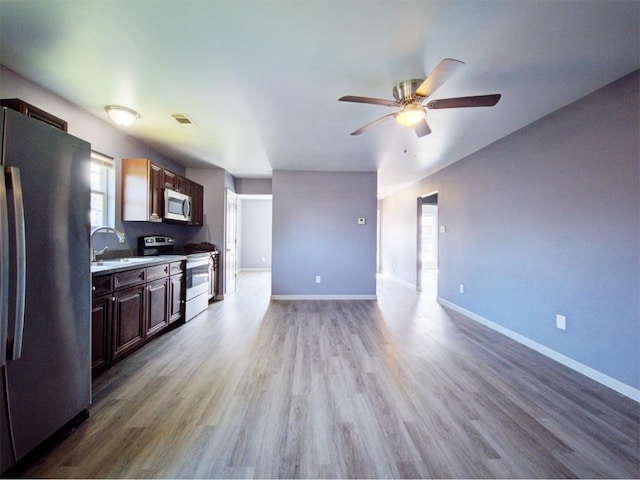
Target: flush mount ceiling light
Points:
(122, 115)
(410, 115)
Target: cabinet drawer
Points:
(157, 271)
(175, 268)
(102, 284)
(128, 278)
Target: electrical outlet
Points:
(461, 288)
(362, 221)
(561, 322)
(318, 279)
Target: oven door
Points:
(197, 277)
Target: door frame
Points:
(429, 199)
(230, 241)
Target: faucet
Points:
(104, 229)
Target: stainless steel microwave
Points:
(177, 206)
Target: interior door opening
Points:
(427, 254)
(231, 247)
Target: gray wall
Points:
(315, 232)
(254, 233)
(253, 186)
(543, 222)
(215, 182)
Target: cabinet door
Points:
(176, 297)
(181, 184)
(100, 333)
(156, 193)
(170, 179)
(157, 306)
(136, 189)
(197, 199)
(128, 320)
(212, 278)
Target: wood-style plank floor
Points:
(398, 387)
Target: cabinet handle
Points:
(113, 299)
(93, 288)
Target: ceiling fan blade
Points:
(422, 128)
(375, 101)
(461, 102)
(443, 71)
(372, 124)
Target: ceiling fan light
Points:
(122, 116)
(410, 115)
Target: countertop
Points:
(119, 265)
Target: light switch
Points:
(442, 229)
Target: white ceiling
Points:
(261, 79)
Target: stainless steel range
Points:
(197, 271)
(197, 298)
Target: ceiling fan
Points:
(409, 95)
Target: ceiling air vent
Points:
(181, 118)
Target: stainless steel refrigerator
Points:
(45, 283)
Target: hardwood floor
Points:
(345, 389)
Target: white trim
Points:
(617, 385)
(324, 297)
(254, 270)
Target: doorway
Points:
(427, 254)
(231, 244)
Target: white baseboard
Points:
(324, 297)
(254, 270)
(618, 386)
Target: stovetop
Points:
(165, 245)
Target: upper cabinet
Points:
(34, 112)
(196, 191)
(143, 185)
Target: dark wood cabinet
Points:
(170, 179)
(177, 291)
(197, 203)
(213, 276)
(181, 184)
(131, 307)
(176, 298)
(156, 193)
(34, 112)
(101, 332)
(157, 306)
(128, 321)
(142, 190)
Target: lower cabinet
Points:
(131, 307)
(101, 333)
(176, 297)
(128, 320)
(157, 306)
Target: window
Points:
(102, 190)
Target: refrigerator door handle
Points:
(13, 179)
(4, 270)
